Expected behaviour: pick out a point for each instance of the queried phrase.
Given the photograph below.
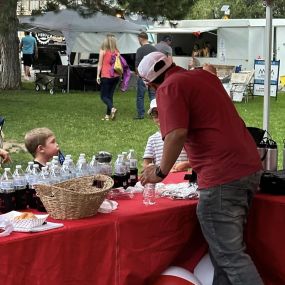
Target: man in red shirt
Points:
(196, 112)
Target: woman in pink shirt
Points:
(106, 77)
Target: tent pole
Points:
(267, 79)
(68, 71)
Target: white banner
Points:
(259, 75)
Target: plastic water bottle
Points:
(20, 185)
(28, 171)
(120, 173)
(31, 192)
(45, 179)
(55, 175)
(127, 164)
(133, 168)
(7, 192)
(149, 194)
(65, 172)
(81, 166)
(93, 166)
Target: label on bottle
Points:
(7, 186)
(133, 163)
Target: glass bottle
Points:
(133, 167)
(127, 164)
(120, 173)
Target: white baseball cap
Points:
(153, 65)
(152, 105)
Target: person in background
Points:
(205, 51)
(29, 49)
(105, 77)
(5, 156)
(154, 146)
(164, 46)
(196, 51)
(41, 144)
(220, 150)
(142, 51)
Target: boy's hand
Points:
(5, 155)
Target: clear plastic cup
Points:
(149, 194)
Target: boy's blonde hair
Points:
(109, 43)
(36, 137)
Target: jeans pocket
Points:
(234, 202)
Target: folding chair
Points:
(240, 85)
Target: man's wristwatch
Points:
(159, 173)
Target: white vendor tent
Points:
(85, 33)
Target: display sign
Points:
(259, 75)
(43, 38)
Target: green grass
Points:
(75, 118)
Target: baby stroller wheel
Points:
(63, 90)
(44, 87)
(38, 87)
(51, 91)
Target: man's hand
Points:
(149, 176)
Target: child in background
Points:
(154, 146)
(41, 144)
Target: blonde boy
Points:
(41, 144)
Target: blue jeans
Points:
(107, 89)
(141, 88)
(222, 213)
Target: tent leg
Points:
(68, 72)
(267, 79)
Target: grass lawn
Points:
(75, 118)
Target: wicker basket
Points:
(76, 198)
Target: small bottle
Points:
(20, 185)
(55, 175)
(81, 167)
(93, 166)
(120, 172)
(45, 179)
(65, 172)
(28, 170)
(149, 194)
(31, 192)
(133, 168)
(7, 192)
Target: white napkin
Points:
(7, 226)
(108, 206)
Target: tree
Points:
(240, 9)
(10, 76)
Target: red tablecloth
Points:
(127, 247)
(265, 237)
(136, 243)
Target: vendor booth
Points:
(84, 33)
(233, 42)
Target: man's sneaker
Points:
(113, 113)
(106, 118)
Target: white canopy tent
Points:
(85, 34)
